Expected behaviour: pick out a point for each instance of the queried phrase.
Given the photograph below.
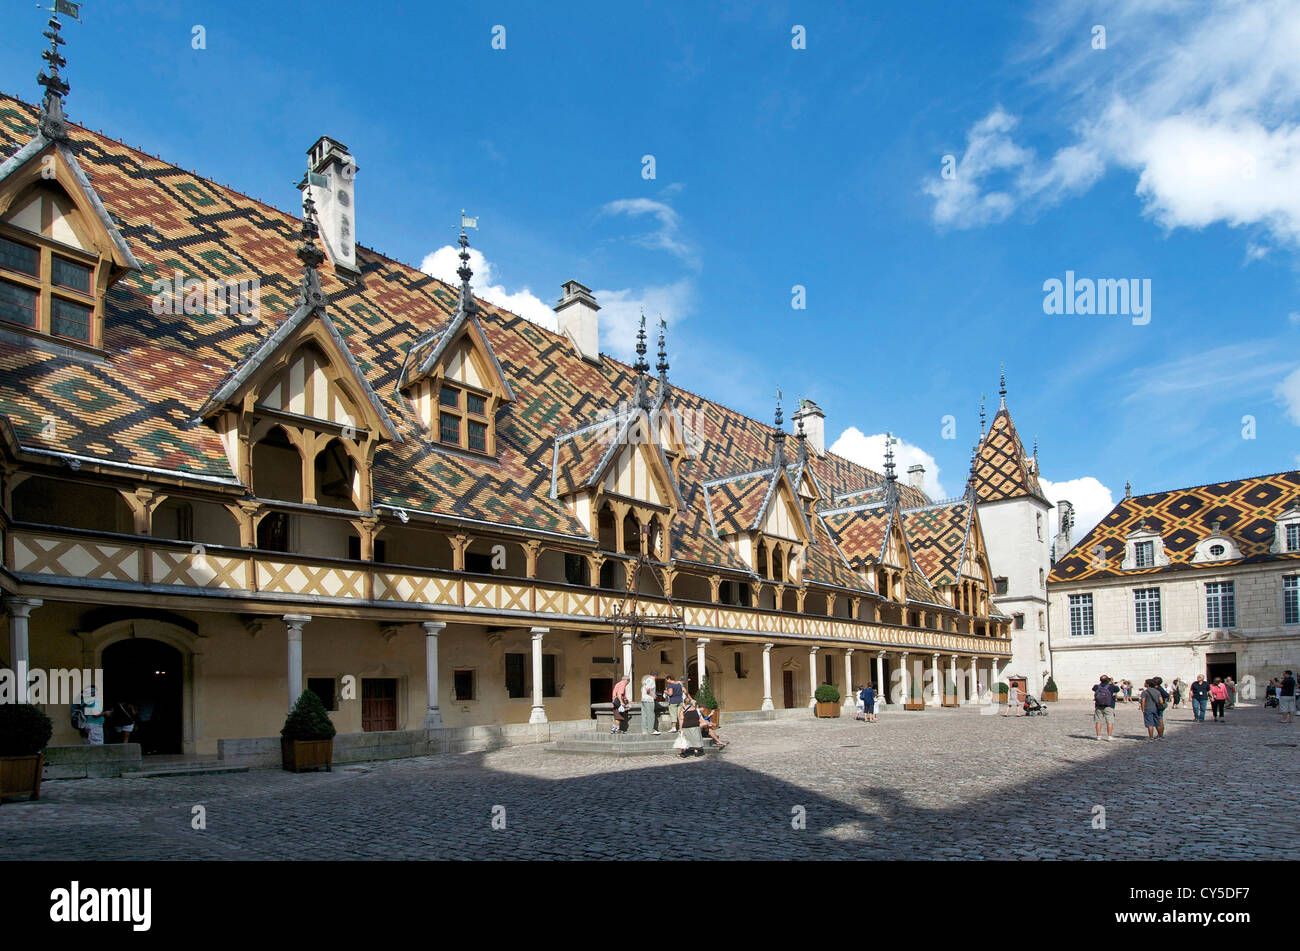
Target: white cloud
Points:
(1199, 102)
(1092, 501)
(620, 314)
(869, 451)
(667, 237)
(442, 264)
(1288, 391)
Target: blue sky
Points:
(1172, 155)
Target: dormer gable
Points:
(1143, 548)
(60, 252)
(458, 386)
(1217, 546)
(1286, 532)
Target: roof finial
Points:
(1002, 388)
(801, 435)
(641, 366)
(310, 255)
(974, 463)
(889, 458)
(778, 438)
(1035, 455)
(52, 124)
(662, 365)
(1128, 490)
(464, 272)
(981, 417)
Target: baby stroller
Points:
(1270, 700)
(1033, 708)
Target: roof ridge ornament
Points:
(641, 367)
(662, 365)
(801, 435)
(891, 478)
(464, 272)
(981, 417)
(1002, 388)
(311, 256)
(52, 124)
(778, 438)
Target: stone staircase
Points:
(180, 767)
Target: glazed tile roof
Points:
(937, 536)
(860, 532)
(1002, 469)
(138, 404)
(1246, 510)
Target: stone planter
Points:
(1049, 696)
(20, 777)
(828, 709)
(299, 755)
(914, 705)
(950, 700)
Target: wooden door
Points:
(1021, 685)
(378, 704)
(787, 684)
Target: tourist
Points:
(1127, 687)
(1152, 705)
(1103, 697)
(93, 713)
(709, 728)
(1200, 692)
(1013, 701)
(859, 702)
(691, 730)
(1178, 692)
(1286, 697)
(1231, 686)
(1218, 697)
(648, 724)
(673, 691)
(123, 717)
(621, 704)
(869, 701)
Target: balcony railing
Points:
(144, 563)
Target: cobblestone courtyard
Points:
(939, 784)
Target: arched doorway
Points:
(149, 675)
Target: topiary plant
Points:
(1003, 688)
(1050, 686)
(827, 693)
(24, 730)
(308, 720)
(704, 696)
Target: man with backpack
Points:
(88, 717)
(1103, 695)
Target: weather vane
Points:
(64, 7)
(467, 222)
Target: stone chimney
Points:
(577, 318)
(814, 425)
(916, 476)
(330, 174)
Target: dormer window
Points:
(462, 418)
(48, 292)
(1144, 555)
(1293, 537)
(1216, 551)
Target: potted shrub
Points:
(24, 731)
(307, 740)
(1049, 690)
(950, 695)
(705, 699)
(828, 701)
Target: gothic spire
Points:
(52, 124)
(311, 256)
(662, 365)
(778, 438)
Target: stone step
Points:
(189, 769)
(625, 744)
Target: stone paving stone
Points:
(948, 784)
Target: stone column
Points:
(952, 676)
(937, 683)
(700, 670)
(812, 676)
(849, 705)
(767, 677)
(627, 668)
(904, 679)
(973, 690)
(294, 623)
(882, 688)
(432, 714)
(20, 657)
(539, 709)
